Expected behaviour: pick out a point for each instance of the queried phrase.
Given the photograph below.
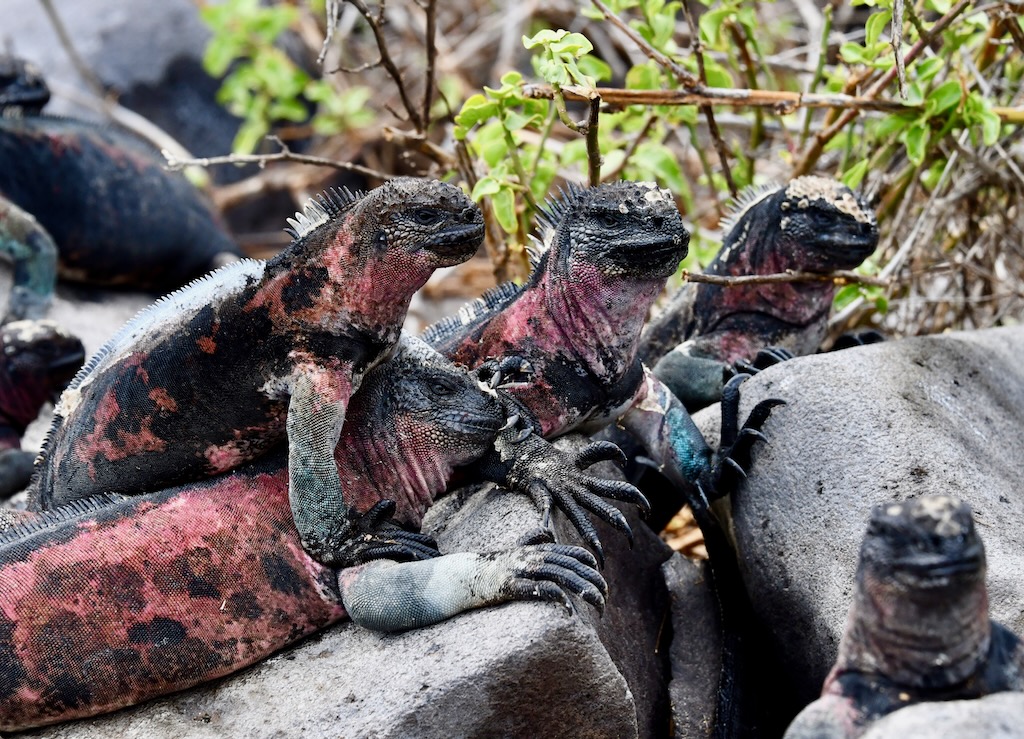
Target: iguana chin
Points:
(221, 371)
(115, 600)
(812, 224)
(92, 203)
(918, 628)
(37, 361)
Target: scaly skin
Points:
(918, 629)
(120, 599)
(216, 374)
(92, 204)
(813, 224)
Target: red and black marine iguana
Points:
(219, 372)
(115, 600)
(92, 203)
(812, 224)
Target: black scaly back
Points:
(46, 520)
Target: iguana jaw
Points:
(456, 244)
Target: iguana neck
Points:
(596, 317)
(928, 640)
(795, 303)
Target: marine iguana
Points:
(607, 252)
(115, 600)
(222, 370)
(92, 203)
(37, 361)
(812, 224)
(918, 628)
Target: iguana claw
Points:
(545, 571)
(764, 359)
(369, 536)
(600, 451)
(734, 450)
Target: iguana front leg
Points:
(331, 530)
(35, 262)
(389, 596)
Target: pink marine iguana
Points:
(92, 203)
(117, 599)
(221, 371)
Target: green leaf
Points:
(485, 186)
(504, 203)
(855, 174)
(644, 77)
(573, 44)
(852, 53)
(513, 120)
(711, 23)
(942, 98)
(991, 123)
(875, 25)
(595, 68)
(476, 109)
(543, 38)
(916, 140)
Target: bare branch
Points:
(285, 155)
(839, 277)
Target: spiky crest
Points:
(321, 209)
(490, 302)
(48, 519)
(744, 201)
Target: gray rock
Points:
(521, 669)
(891, 421)
(999, 716)
(696, 652)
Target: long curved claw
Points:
(731, 409)
(622, 491)
(546, 571)
(600, 451)
(734, 453)
(494, 372)
(576, 515)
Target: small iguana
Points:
(92, 203)
(115, 600)
(918, 629)
(223, 370)
(37, 361)
(813, 224)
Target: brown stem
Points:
(428, 81)
(593, 149)
(839, 277)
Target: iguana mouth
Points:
(649, 257)
(846, 250)
(457, 241)
(465, 421)
(935, 570)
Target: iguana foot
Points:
(552, 477)
(857, 338)
(546, 571)
(765, 358)
(370, 536)
(733, 458)
(509, 371)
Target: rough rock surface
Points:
(999, 716)
(519, 669)
(696, 652)
(891, 421)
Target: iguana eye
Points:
(427, 216)
(609, 220)
(439, 387)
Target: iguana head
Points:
(39, 360)
(813, 224)
(425, 217)
(22, 87)
(921, 609)
(624, 229)
(443, 405)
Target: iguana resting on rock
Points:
(92, 203)
(607, 252)
(813, 224)
(116, 600)
(37, 361)
(219, 372)
(918, 629)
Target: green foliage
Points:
(261, 84)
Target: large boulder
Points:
(999, 716)
(520, 669)
(891, 421)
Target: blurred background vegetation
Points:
(917, 105)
